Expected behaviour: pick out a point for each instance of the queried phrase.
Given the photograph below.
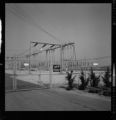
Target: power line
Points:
(33, 23)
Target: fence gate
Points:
(19, 77)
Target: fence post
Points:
(14, 78)
(39, 76)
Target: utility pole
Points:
(50, 71)
(47, 59)
(85, 69)
(63, 58)
(30, 58)
(74, 52)
(61, 49)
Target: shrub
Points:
(94, 80)
(94, 90)
(84, 81)
(107, 93)
(70, 80)
(106, 78)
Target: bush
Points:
(101, 91)
(70, 80)
(84, 81)
(107, 93)
(94, 90)
(106, 78)
(94, 80)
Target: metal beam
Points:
(45, 43)
(67, 44)
(53, 44)
(58, 46)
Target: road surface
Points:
(55, 99)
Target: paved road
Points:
(56, 99)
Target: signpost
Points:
(56, 68)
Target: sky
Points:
(87, 25)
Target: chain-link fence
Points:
(20, 75)
(100, 64)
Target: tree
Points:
(84, 81)
(94, 80)
(106, 78)
(70, 80)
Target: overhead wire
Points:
(22, 16)
(31, 21)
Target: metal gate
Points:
(18, 76)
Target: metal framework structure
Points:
(51, 49)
